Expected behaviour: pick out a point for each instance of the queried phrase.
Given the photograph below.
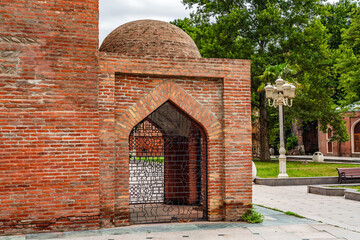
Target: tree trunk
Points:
(264, 135)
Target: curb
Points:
(296, 181)
(351, 194)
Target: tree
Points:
(256, 30)
(348, 62)
(336, 17)
(270, 33)
(316, 81)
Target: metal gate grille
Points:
(167, 168)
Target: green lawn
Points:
(151, 159)
(299, 169)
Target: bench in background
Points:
(348, 173)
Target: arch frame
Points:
(352, 137)
(167, 91)
(229, 149)
(169, 166)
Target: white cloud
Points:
(117, 12)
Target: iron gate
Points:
(167, 168)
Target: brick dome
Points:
(150, 38)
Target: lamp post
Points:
(279, 95)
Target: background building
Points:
(347, 149)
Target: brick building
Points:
(68, 109)
(347, 149)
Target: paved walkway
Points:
(336, 211)
(277, 225)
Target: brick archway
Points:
(167, 172)
(167, 91)
(354, 137)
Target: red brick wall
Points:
(149, 140)
(341, 149)
(49, 166)
(147, 146)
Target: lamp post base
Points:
(282, 164)
(283, 175)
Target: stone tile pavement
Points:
(277, 225)
(333, 210)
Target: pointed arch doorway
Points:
(167, 168)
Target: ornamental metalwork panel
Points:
(167, 154)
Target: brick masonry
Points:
(150, 38)
(67, 111)
(49, 121)
(346, 149)
(226, 123)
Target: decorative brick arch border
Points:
(228, 136)
(352, 136)
(165, 92)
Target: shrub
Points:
(291, 142)
(252, 216)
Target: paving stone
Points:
(277, 225)
(317, 207)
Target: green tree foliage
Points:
(336, 17)
(284, 37)
(316, 81)
(348, 62)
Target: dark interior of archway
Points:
(167, 168)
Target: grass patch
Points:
(150, 159)
(287, 213)
(270, 169)
(293, 214)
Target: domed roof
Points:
(150, 38)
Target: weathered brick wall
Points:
(130, 89)
(49, 166)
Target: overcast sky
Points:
(114, 13)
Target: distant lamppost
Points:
(280, 94)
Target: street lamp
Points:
(281, 94)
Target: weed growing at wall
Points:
(252, 216)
